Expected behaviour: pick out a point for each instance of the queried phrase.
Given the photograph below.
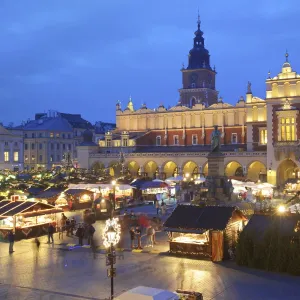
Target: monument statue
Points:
(215, 140)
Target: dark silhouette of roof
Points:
(77, 121)
(103, 127)
(191, 217)
(259, 225)
(52, 192)
(88, 138)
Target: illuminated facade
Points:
(259, 136)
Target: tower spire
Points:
(286, 56)
(198, 21)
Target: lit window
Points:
(108, 142)
(176, 140)
(51, 157)
(6, 155)
(26, 157)
(158, 141)
(32, 157)
(194, 139)
(57, 135)
(125, 142)
(263, 138)
(234, 138)
(16, 156)
(287, 129)
(51, 134)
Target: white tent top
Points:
(177, 178)
(147, 293)
(95, 186)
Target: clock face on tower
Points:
(193, 78)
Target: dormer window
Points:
(194, 139)
(125, 142)
(108, 142)
(234, 139)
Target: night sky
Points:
(82, 56)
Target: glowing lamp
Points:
(281, 209)
(111, 235)
(112, 232)
(113, 182)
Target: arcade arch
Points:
(234, 168)
(287, 169)
(191, 168)
(133, 168)
(151, 169)
(257, 171)
(170, 169)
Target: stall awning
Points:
(197, 231)
(19, 208)
(76, 192)
(42, 212)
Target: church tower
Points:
(198, 78)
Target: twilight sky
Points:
(81, 56)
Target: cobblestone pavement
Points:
(52, 273)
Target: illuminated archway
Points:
(133, 168)
(234, 168)
(257, 171)
(190, 168)
(115, 168)
(151, 169)
(170, 169)
(286, 170)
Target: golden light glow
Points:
(281, 209)
(114, 182)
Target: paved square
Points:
(53, 273)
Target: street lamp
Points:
(114, 182)
(111, 237)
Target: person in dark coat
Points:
(68, 226)
(80, 234)
(11, 240)
(73, 224)
(138, 234)
(132, 237)
(91, 231)
(50, 233)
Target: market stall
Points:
(26, 218)
(78, 198)
(199, 231)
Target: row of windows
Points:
(287, 130)
(7, 156)
(15, 144)
(52, 146)
(234, 139)
(51, 134)
(124, 143)
(41, 158)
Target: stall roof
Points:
(74, 192)
(190, 218)
(49, 193)
(4, 202)
(258, 225)
(18, 207)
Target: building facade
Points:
(260, 137)
(11, 149)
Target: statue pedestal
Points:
(216, 179)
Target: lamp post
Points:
(114, 194)
(111, 237)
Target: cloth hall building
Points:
(259, 136)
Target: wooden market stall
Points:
(201, 231)
(75, 199)
(26, 218)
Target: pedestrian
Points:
(80, 234)
(50, 233)
(91, 231)
(11, 240)
(163, 207)
(149, 236)
(157, 207)
(138, 234)
(132, 237)
(68, 226)
(73, 225)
